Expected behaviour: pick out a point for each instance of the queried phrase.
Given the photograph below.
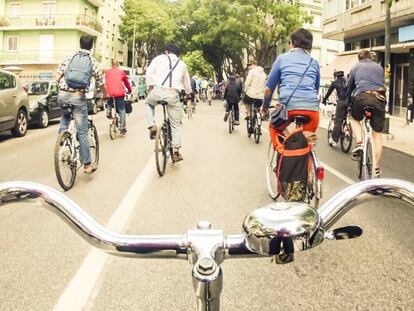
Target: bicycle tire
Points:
(249, 134)
(346, 137)
(330, 130)
(112, 130)
(63, 148)
(94, 144)
(257, 134)
(312, 193)
(160, 151)
(271, 177)
(369, 167)
(230, 121)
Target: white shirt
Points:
(159, 68)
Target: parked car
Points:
(141, 84)
(14, 104)
(94, 99)
(43, 102)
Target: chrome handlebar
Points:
(278, 229)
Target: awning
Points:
(340, 63)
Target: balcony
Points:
(365, 18)
(80, 22)
(30, 57)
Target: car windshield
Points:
(37, 88)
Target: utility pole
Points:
(387, 64)
(133, 49)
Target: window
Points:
(7, 81)
(49, 9)
(12, 43)
(14, 9)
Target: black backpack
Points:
(293, 166)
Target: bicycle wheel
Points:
(113, 129)
(330, 129)
(369, 167)
(93, 144)
(65, 167)
(314, 188)
(257, 130)
(271, 177)
(346, 137)
(230, 120)
(161, 150)
(248, 124)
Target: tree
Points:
(197, 65)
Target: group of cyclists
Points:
(295, 74)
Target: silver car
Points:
(14, 104)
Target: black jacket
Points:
(232, 92)
(340, 86)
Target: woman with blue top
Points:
(298, 76)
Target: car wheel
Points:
(20, 128)
(44, 119)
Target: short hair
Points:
(86, 42)
(364, 54)
(115, 62)
(301, 38)
(173, 48)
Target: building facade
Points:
(36, 35)
(360, 25)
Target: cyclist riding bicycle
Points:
(255, 85)
(116, 82)
(339, 84)
(166, 76)
(366, 83)
(74, 75)
(298, 76)
(232, 95)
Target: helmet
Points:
(338, 73)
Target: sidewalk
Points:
(401, 138)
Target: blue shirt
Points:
(288, 70)
(366, 75)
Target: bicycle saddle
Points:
(300, 119)
(368, 112)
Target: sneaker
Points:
(236, 123)
(89, 169)
(331, 142)
(377, 172)
(123, 131)
(226, 116)
(176, 157)
(357, 152)
(153, 131)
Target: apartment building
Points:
(360, 25)
(36, 35)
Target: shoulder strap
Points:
(300, 81)
(169, 75)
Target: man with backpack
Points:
(116, 82)
(74, 77)
(166, 76)
(339, 84)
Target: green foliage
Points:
(219, 32)
(197, 65)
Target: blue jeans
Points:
(80, 115)
(120, 108)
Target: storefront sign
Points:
(406, 33)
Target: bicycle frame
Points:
(266, 231)
(367, 138)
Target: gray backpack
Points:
(78, 74)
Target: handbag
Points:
(279, 116)
(128, 106)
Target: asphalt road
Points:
(221, 180)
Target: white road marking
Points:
(79, 290)
(331, 170)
